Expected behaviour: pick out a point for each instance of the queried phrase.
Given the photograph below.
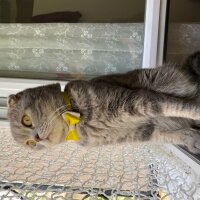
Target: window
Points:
(66, 51)
(95, 43)
(183, 30)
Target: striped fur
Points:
(159, 105)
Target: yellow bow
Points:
(72, 118)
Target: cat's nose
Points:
(37, 138)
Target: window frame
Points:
(153, 36)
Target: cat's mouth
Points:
(44, 136)
(43, 144)
(43, 131)
(42, 141)
(49, 137)
(38, 144)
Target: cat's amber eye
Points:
(26, 121)
(31, 143)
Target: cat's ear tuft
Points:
(13, 99)
(193, 63)
(57, 86)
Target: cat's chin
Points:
(54, 137)
(46, 144)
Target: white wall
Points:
(185, 11)
(95, 10)
(118, 10)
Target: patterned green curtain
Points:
(64, 51)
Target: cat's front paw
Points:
(193, 143)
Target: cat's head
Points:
(35, 116)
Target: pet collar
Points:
(72, 118)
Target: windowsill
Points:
(4, 124)
(186, 157)
(13, 85)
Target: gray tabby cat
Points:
(159, 105)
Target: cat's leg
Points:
(168, 79)
(146, 104)
(139, 102)
(166, 130)
(186, 137)
(180, 81)
(150, 104)
(177, 80)
(179, 131)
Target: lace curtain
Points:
(69, 50)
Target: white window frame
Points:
(189, 160)
(155, 18)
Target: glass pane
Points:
(184, 29)
(183, 32)
(70, 50)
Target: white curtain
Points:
(82, 49)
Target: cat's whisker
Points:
(55, 112)
(51, 122)
(47, 125)
(53, 118)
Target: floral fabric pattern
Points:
(71, 49)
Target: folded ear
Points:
(13, 99)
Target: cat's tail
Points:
(192, 64)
